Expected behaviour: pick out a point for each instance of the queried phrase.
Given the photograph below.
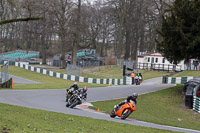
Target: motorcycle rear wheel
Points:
(125, 115)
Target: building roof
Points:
(153, 55)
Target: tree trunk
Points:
(43, 50)
(128, 42)
(142, 39)
(76, 35)
(62, 36)
(135, 45)
(74, 52)
(102, 52)
(120, 44)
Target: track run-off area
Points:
(54, 100)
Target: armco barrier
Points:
(124, 81)
(176, 80)
(196, 104)
(182, 80)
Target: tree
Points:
(180, 31)
(61, 9)
(76, 33)
(12, 15)
(6, 21)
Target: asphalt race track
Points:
(54, 100)
(22, 80)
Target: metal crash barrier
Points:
(191, 89)
(5, 80)
(196, 99)
(196, 104)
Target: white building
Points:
(157, 61)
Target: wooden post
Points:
(12, 83)
(163, 67)
(168, 67)
(139, 66)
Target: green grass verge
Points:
(97, 72)
(187, 73)
(46, 82)
(111, 72)
(152, 74)
(161, 107)
(14, 119)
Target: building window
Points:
(148, 59)
(156, 60)
(163, 61)
(152, 60)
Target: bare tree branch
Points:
(19, 19)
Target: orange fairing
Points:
(126, 107)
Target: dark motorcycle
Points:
(74, 100)
(69, 93)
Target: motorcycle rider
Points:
(137, 80)
(75, 86)
(131, 98)
(83, 91)
(72, 89)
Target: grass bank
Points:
(162, 107)
(14, 119)
(187, 73)
(46, 82)
(111, 72)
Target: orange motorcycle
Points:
(123, 111)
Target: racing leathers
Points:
(71, 90)
(127, 100)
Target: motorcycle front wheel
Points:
(125, 115)
(67, 105)
(74, 104)
(112, 114)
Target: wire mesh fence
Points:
(127, 63)
(4, 72)
(73, 70)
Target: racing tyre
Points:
(74, 104)
(67, 105)
(125, 115)
(137, 83)
(112, 114)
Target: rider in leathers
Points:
(72, 89)
(127, 100)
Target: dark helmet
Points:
(85, 89)
(135, 95)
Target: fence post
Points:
(124, 80)
(139, 65)
(163, 67)
(168, 67)
(164, 80)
